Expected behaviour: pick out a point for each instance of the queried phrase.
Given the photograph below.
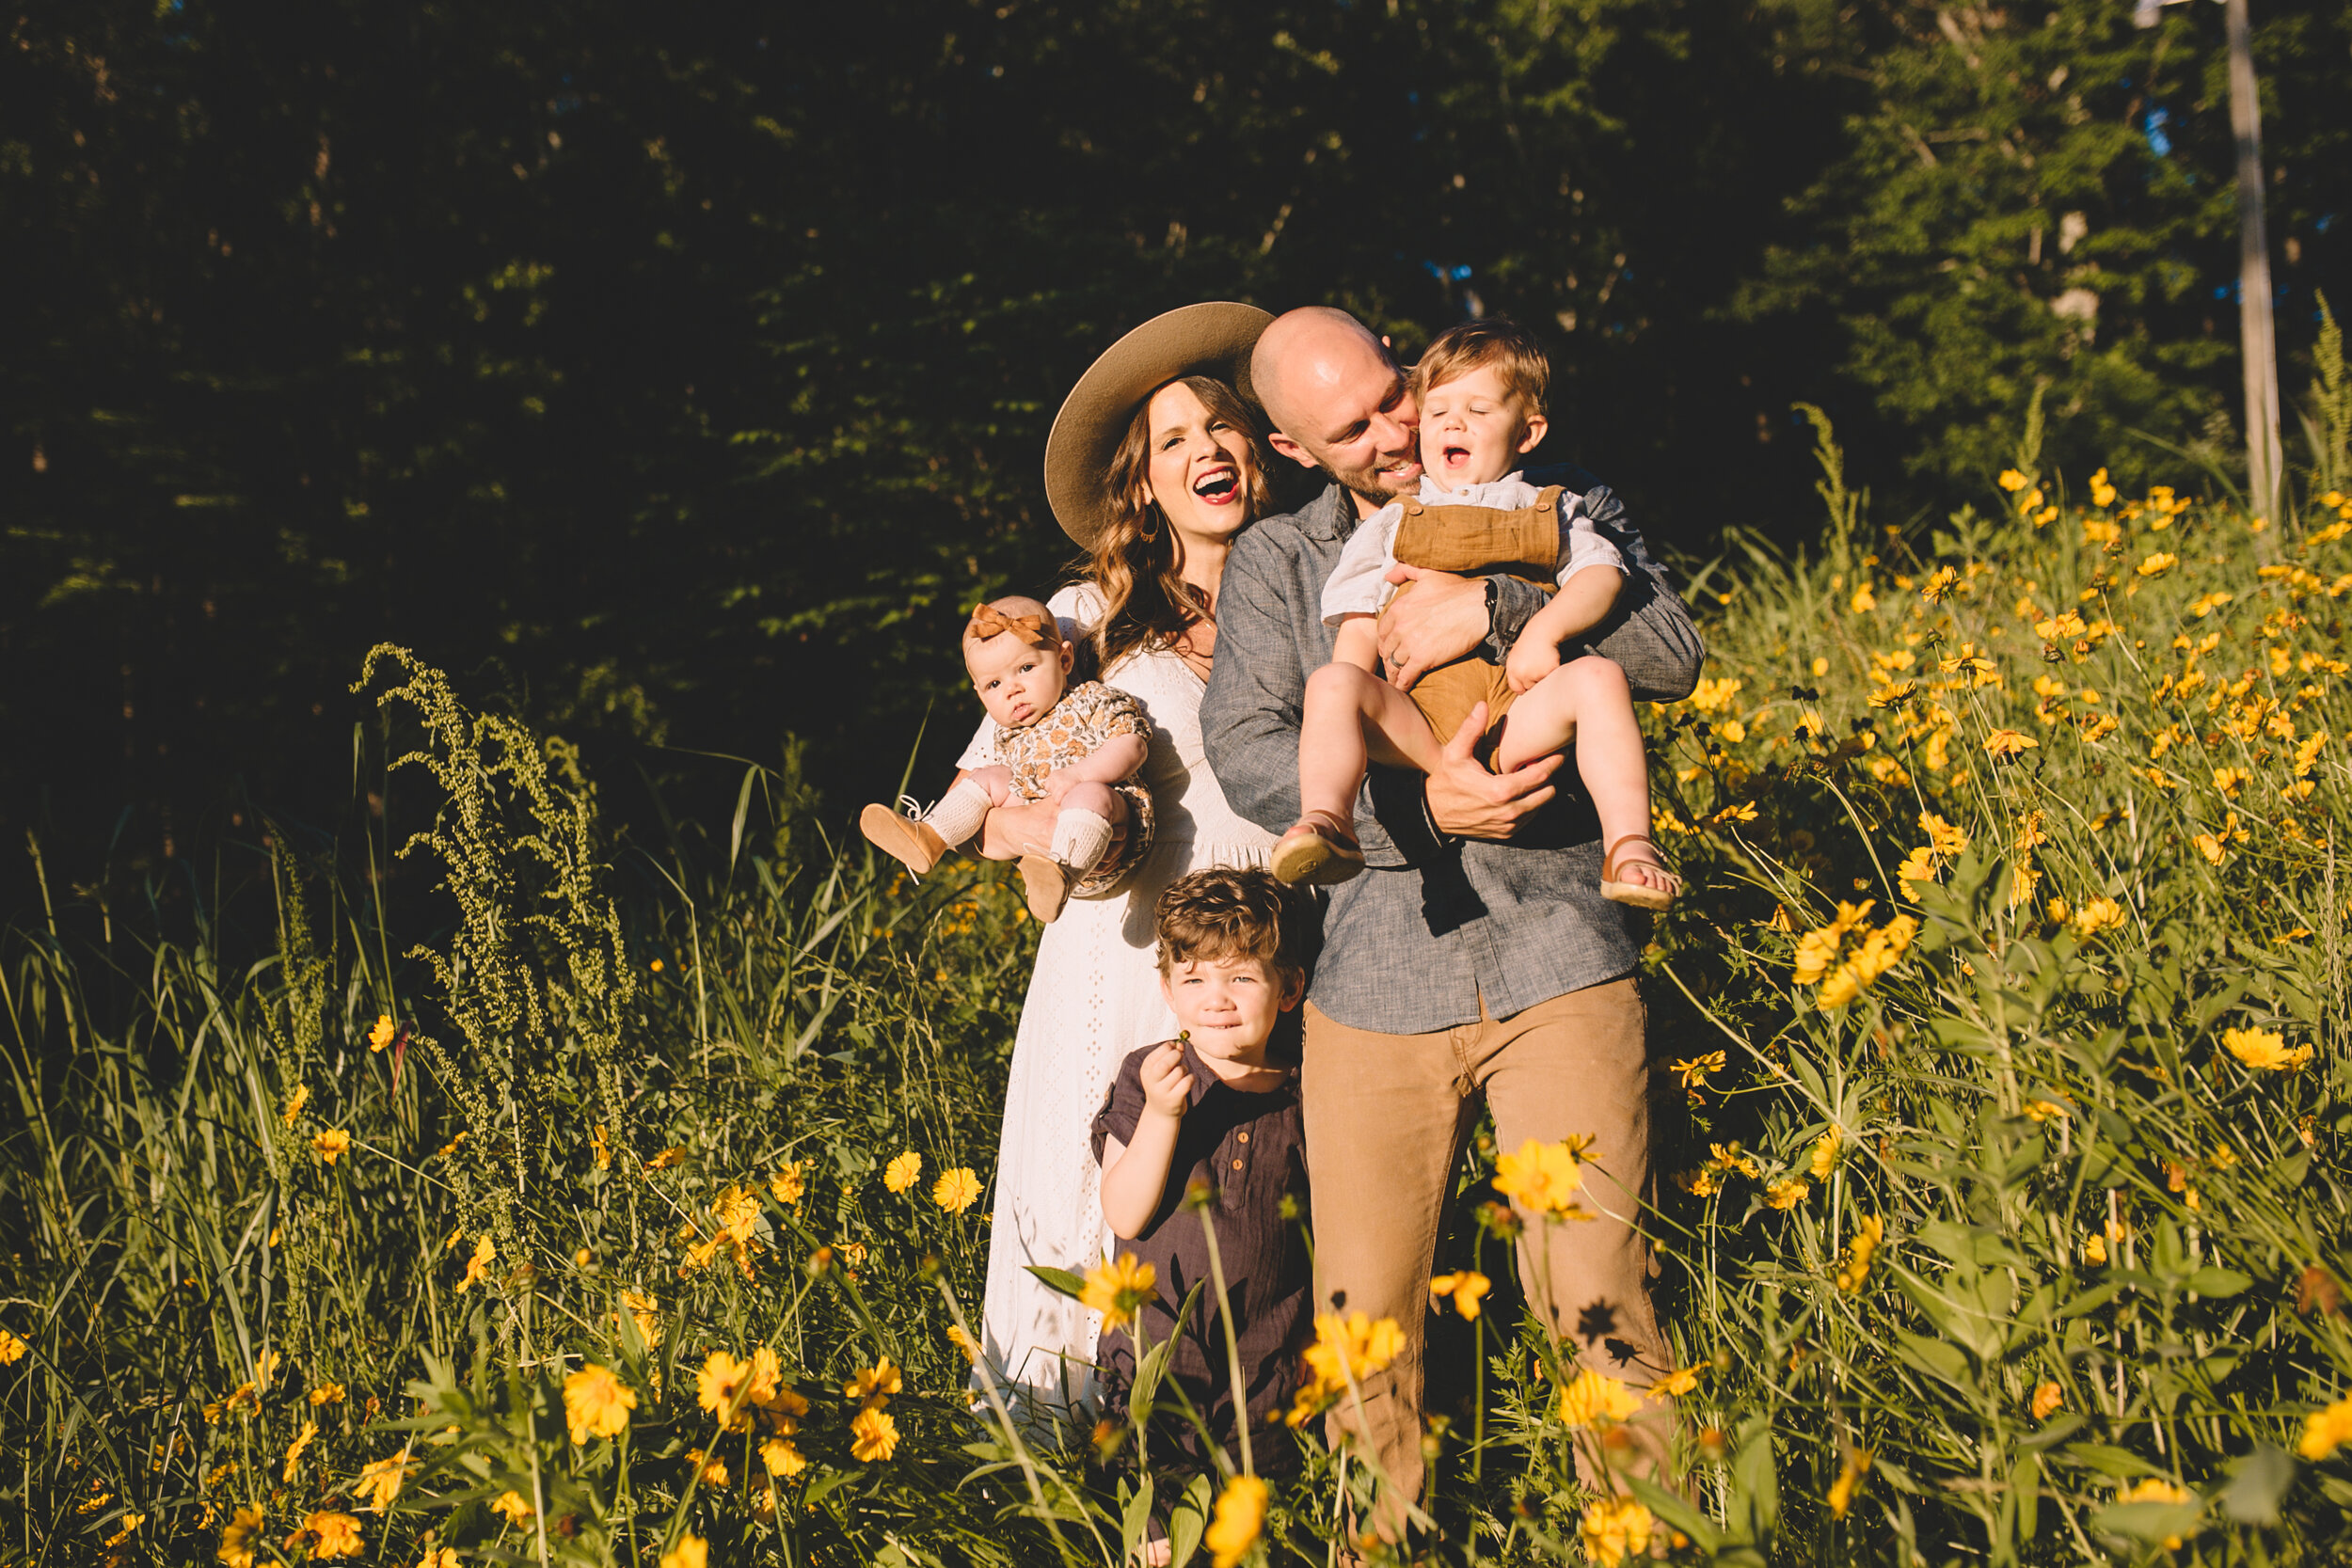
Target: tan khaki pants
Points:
(1386, 1116)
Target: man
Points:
(1476, 957)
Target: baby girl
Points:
(1481, 392)
(1074, 749)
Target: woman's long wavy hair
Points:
(1147, 604)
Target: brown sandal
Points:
(1316, 852)
(1635, 894)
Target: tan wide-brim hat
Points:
(1214, 339)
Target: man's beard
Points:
(1366, 483)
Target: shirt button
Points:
(1237, 1165)
(1243, 1136)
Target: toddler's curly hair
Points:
(1489, 342)
(1210, 916)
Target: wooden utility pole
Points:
(2257, 344)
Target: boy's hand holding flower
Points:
(1167, 1086)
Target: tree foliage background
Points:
(677, 373)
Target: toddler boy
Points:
(1481, 390)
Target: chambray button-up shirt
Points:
(1430, 929)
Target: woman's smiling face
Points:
(1199, 467)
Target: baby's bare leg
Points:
(1587, 701)
(1352, 719)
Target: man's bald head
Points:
(1306, 350)
(1338, 402)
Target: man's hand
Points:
(1167, 1086)
(1443, 618)
(1469, 802)
(1530, 660)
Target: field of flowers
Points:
(640, 1218)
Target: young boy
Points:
(1210, 1109)
(1075, 748)
(1481, 392)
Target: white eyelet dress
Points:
(1093, 997)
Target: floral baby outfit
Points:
(1089, 715)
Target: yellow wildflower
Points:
(239, 1538)
(692, 1551)
(295, 1103)
(1593, 1398)
(2100, 915)
(2326, 1430)
(1787, 1193)
(645, 1311)
(331, 1144)
(2102, 493)
(2264, 1050)
(786, 1184)
(964, 1342)
(2047, 1398)
(1710, 694)
(327, 1393)
(330, 1535)
(1824, 1155)
(724, 1385)
(1917, 868)
(1939, 585)
(2156, 564)
(900, 1175)
(1943, 837)
(293, 1451)
(1855, 1270)
(1675, 1385)
(874, 1385)
(2009, 744)
(1346, 1349)
(1464, 1286)
(1863, 601)
(667, 1158)
(1849, 1481)
(381, 1036)
(781, 1458)
(2012, 481)
(477, 1266)
(1239, 1519)
(382, 1479)
(873, 1435)
(597, 1404)
(514, 1508)
(1696, 1071)
(1543, 1177)
(1613, 1529)
(1119, 1289)
(955, 1191)
(11, 1348)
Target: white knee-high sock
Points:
(959, 811)
(1080, 838)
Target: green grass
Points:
(2104, 1300)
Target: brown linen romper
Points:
(1476, 541)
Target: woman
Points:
(1155, 466)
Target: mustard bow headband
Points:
(1039, 631)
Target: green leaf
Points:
(2150, 1521)
(2258, 1483)
(1071, 1285)
(2109, 1461)
(2217, 1282)
(1188, 1520)
(1937, 1359)
(1703, 1533)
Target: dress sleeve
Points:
(1079, 608)
(981, 752)
(1123, 1108)
(1358, 583)
(1580, 543)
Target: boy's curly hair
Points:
(1495, 342)
(1223, 914)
